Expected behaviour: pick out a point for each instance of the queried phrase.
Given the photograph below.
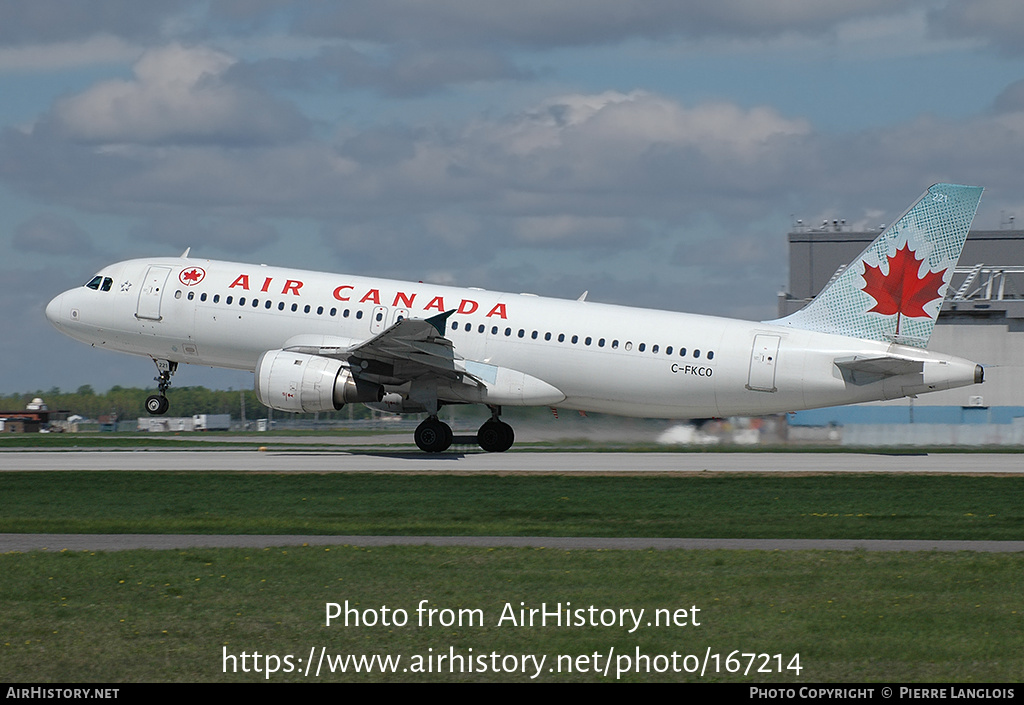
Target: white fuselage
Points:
(606, 358)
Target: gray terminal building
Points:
(982, 319)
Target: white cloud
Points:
(177, 95)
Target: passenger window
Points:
(696, 353)
(359, 314)
(191, 295)
(561, 337)
(269, 304)
(202, 297)
(320, 311)
(575, 339)
(668, 350)
(641, 347)
(711, 355)
(216, 298)
(228, 300)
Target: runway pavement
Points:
(121, 542)
(532, 462)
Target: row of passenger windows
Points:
(267, 304)
(588, 340)
(468, 327)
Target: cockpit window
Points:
(99, 283)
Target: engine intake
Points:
(289, 381)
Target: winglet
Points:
(894, 290)
(184, 255)
(440, 321)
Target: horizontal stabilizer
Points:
(880, 365)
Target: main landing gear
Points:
(157, 404)
(433, 435)
(494, 436)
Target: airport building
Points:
(982, 319)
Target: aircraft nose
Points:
(53, 310)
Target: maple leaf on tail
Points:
(902, 291)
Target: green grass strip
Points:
(714, 506)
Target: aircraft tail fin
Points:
(894, 290)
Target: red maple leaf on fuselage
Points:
(191, 276)
(901, 290)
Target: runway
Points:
(122, 542)
(513, 462)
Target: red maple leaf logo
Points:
(190, 277)
(901, 291)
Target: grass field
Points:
(172, 615)
(723, 506)
(850, 616)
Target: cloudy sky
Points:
(653, 152)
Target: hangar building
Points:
(982, 319)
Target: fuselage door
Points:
(378, 319)
(151, 293)
(763, 358)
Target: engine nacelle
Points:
(289, 381)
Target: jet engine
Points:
(289, 381)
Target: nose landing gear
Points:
(157, 404)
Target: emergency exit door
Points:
(763, 359)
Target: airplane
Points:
(317, 341)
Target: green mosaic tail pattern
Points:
(894, 290)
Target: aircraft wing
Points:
(410, 349)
